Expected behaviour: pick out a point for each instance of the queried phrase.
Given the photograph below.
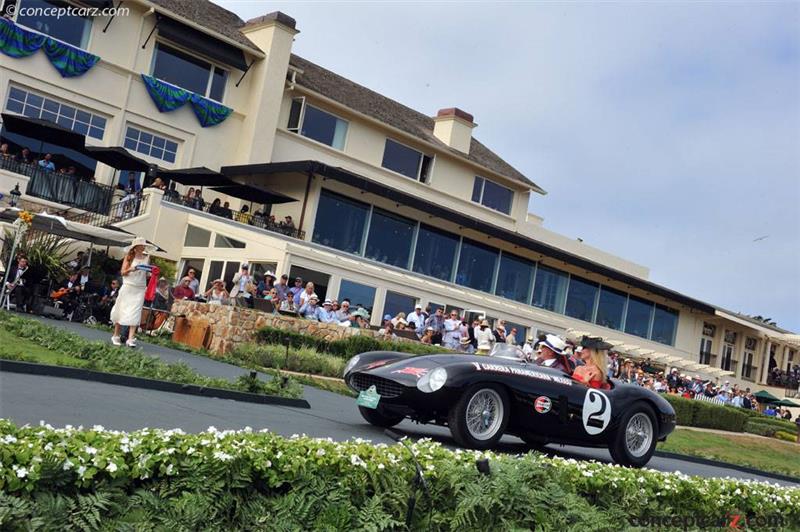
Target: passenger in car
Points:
(594, 353)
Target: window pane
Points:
(68, 28)
(52, 105)
(83, 116)
(321, 280)
(323, 127)
(550, 289)
(222, 241)
(99, 121)
(80, 128)
(181, 69)
(397, 303)
(169, 157)
(340, 222)
(637, 321)
(514, 278)
(360, 295)
(159, 142)
(96, 132)
(14, 106)
(389, 239)
(519, 336)
(610, 308)
(218, 84)
(580, 298)
(196, 237)
(67, 111)
(16, 94)
(425, 171)
(50, 117)
(34, 100)
(172, 146)
(214, 272)
(401, 159)
(477, 189)
(665, 324)
(294, 114)
(435, 253)
(130, 144)
(497, 197)
(476, 266)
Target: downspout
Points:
(305, 201)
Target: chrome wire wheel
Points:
(639, 434)
(484, 414)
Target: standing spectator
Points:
(484, 338)
(500, 332)
(194, 282)
(241, 283)
(47, 163)
(25, 156)
(452, 328)
(217, 295)
(215, 207)
(4, 151)
(282, 288)
(266, 285)
(225, 211)
(296, 290)
(189, 197)
(527, 347)
(306, 294)
(437, 322)
(198, 202)
(511, 339)
(416, 320)
(288, 223)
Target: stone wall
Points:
(232, 326)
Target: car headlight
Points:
(430, 382)
(351, 364)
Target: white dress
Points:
(127, 310)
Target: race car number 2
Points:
(596, 412)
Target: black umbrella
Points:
(196, 177)
(117, 157)
(253, 194)
(43, 131)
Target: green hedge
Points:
(300, 359)
(779, 424)
(766, 426)
(786, 436)
(692, 413)
(760, 429)
(66, 479)
(347, 348)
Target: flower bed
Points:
(68, 478)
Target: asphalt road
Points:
(30, 398)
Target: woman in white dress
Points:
(127, 311)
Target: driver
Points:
(551, 353)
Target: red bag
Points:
(150, 293)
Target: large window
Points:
(397, 303)
(196, 237)
(43, 18)
(611, 308)
(435, 253)
(389, 238)
(150, 144)
(189, 72)
(519, 336)
(637, 322)
(580, 298)
(317, 124)
(514, 278)
(476, 266)
(222, 241)
(550, 289)
(360, 295)
(406, 161)
(340, 222)
(321, 280)
(665, 325)
(34, 105)
(490, 194)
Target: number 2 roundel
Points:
(596, 412)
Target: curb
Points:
(726, 465)
(31, 368)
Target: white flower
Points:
(170, 467)
(8, 438)
(90, 450)
(588, 474)
(190, 450)
(81, 470)
(429, 467)
(68, 465)
(98, 428)
(268, 463)
(381, 466)
(48, 446)
(222, 456)
(280, 453)
(111, 467)
(356, 460)
(320, 452)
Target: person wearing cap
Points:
(360, 319)
(465, 345)
(551, 353)
(436, 320)
(326, 313)
(527, 347)
(594, 353)
(282, 288)
(427, 336)
(240, 291)
(182, 291)
(416, 320)
(484, 337)
(310, 309)
(294, 292)
(343, 314)
(217, 295)
(127, 309)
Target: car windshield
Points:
(508, 351)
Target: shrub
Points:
(63, 479)
(780, 424)
(302, 360)
(760, 429)
(786, 436)
(692, 413)
(684, 409)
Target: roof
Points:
(759, 323)
(211, 17)
(386, 110)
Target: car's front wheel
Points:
(635, 440)
(480, 416)
(379, 418)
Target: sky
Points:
(667, 133)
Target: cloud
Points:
(666, 133)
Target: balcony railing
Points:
(125, 208)
(61, 188)
(243, 218)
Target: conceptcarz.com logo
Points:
(726, 522)
(10, 8)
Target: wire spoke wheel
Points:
(484, 414)
(639, 434)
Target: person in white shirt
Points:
(484, 337)
(416, 320)
(527, 348)
(84, 277)
(307, 294)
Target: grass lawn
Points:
(12, 345)
(766, 454)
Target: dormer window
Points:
(316, 124)
(490, 194)
(189, 72)
(45, 16)
(407, 161)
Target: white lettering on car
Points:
(523, 372)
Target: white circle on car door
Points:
(596, 412)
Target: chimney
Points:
(454, 127)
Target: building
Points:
(390, 207)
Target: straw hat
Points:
(138, 241)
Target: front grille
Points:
(385, 387)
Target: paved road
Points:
(29, 399)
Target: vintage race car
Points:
(480, 398)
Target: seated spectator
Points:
(244, 214)
(594, 353)
(47, 164)
(465, 345)
(388, 330)
(5, 153)
(215, 207)
(183, 290)
(360, 319)
(343, 314)
(500, 331)
(25, 156)
(309, 309)
(71, 170)
(217, 295)
(163, 300)
(427, 336)
(266, 284)
(326, 313)
(401, 316)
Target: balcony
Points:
(61, 188)
(262, 222)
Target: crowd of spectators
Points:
(44, 162)
(785, 379)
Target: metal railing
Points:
(243, 218)
(125, 208)
(61, 188)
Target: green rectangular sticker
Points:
(369, 398)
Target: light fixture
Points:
(15, 195)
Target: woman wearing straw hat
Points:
(127, 310)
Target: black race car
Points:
(481, 398)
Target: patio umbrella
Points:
(59, 226)
(117, 157)
(786, 402)
(196, 177)
(254, 194)
(43, 131)
(765, 397)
